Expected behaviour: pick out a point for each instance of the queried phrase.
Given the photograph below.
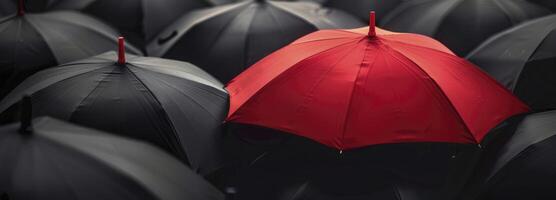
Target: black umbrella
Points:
(460, 24)
(31, 42)
(172, 104)
(361, 8)
(525, 167)
(139, 20)
(277, 166)
(227, 39)
(51, 159)
(524, 60)
(548, 3)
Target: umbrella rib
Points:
(518, 77)
(506, 12)
(413, 45)
(352, 95)
(437, 86)
(282, 74)
(207, 79)
(187, 96)
(16, 49)
(167, 118)
(320, 40)
(276, 4)
(3, 20)
(222, 30)
(80, 104)
(13, 101)
(211, 86)
(299, 191)
(246, 44)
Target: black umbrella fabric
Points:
(277, 166)
(524, 60)
(227, 39)
(32, 42)
(548, 3)
(138, 20)
(361, 8)
(172, 104)
(56, 160)
(460, 24)
(525, 167)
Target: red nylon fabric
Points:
(347, 90)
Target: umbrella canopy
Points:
(51, 159)
(32, 42)
(460, 24)
(227, 39)
(524, 168)
(361, 8)
(172, 104)
(548, 3)
(524, 60)
(353, 88)
(139, 20)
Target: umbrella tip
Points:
(121, 51)
(372, 24)
(20, 7)
(26, 125)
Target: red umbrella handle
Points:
(372, 25)
(20, 7)
(121, 50)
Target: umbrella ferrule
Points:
(372, 24)
(121, 51)
(20, 7)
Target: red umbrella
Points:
(354, 88)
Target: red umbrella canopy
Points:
(353, 88)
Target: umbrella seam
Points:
(166, 118)
(459, 117)
(533, 53)
(170, 75)
(70, 77)
(221, 31)
(246, 44)
(294, 14)
(80, 104)
(281, 74)
(353, 89)
(161, 50)
(188, 97)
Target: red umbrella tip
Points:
(372, 24)
(121, 50)
(20, 7)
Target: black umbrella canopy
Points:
(273, 165)
(548, 3)
(460, 24)
(57, 160)
(524, 60)
(172, 104)
(227, 39)
(361, 8)
(525, 167)
(31, 42)
(139, 20)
